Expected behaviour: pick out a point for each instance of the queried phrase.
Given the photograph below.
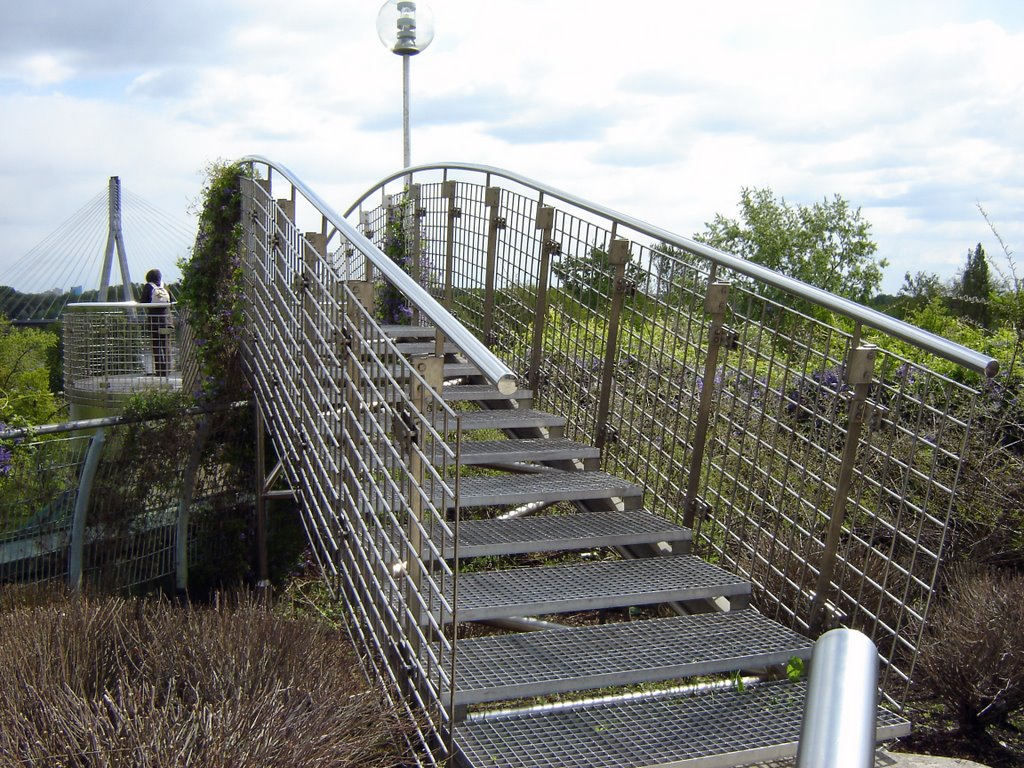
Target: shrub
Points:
(115, 682)
(972, 657)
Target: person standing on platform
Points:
(158, 321)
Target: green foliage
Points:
(975, 288)
(591, 278)
(392, 305)
(25, 395)
(156, 404)
(795, 669)
(826, 244)
(212, 283)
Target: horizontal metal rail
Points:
(109, 421)
(489, 364)
(929, 342)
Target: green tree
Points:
(917, 292)
(591, 278)
(25, 396)
(827, 244)
(974, 292)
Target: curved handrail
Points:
(489, 364)
(930, 342)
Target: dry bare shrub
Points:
(113, 682)
(973, 655)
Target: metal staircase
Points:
(630, 687)
(521, 601)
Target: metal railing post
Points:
(496, 223)
(263, 561)
(414, 241)
(188, 487)
(432, 370)
(449, 190)
(860, 368)
(618, 257)
(85, 481)
(840, 711)
(716, 302)
(545, 224)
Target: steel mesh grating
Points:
(527, 591)
(713, 728)
(569, 531)
(546, 486)
(536, 663)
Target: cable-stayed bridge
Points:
(101, 252)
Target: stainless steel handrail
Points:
(929, 342)
(840, 711)
(478, 354)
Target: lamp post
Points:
(406, 28)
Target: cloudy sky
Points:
(913, 111)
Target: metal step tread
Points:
(548, 533)
(544, 487)
(626, 653)
(590, 586)
(395, 331)
(721, 727)
(529, 449)
(400, 371)
(473, 392)
(423, 347)
(510, 418)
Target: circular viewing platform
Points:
(113, 350)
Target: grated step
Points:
(409, 331)
(542, 487)
(423, 347)
(514, 418)
(451, 371)
(548, 533)
(476, 392)
(592, 586)
(627, 653)
(531, 449)
(723, 727)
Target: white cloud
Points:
(912, 110)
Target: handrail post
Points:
(432, 370)
(262, 487)
(860, 368)
(545, 225)
(618, 257)
(449, 190)
(716, 302)
(496, 223)
(414, 241)
(841, 710)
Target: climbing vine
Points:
(212, 287)
(392, 305)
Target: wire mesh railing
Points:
(100, 503)
(364, 440)
(116, 349)
(807, 439)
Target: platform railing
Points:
(362, 438)
(814, 444)
(115, 349)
